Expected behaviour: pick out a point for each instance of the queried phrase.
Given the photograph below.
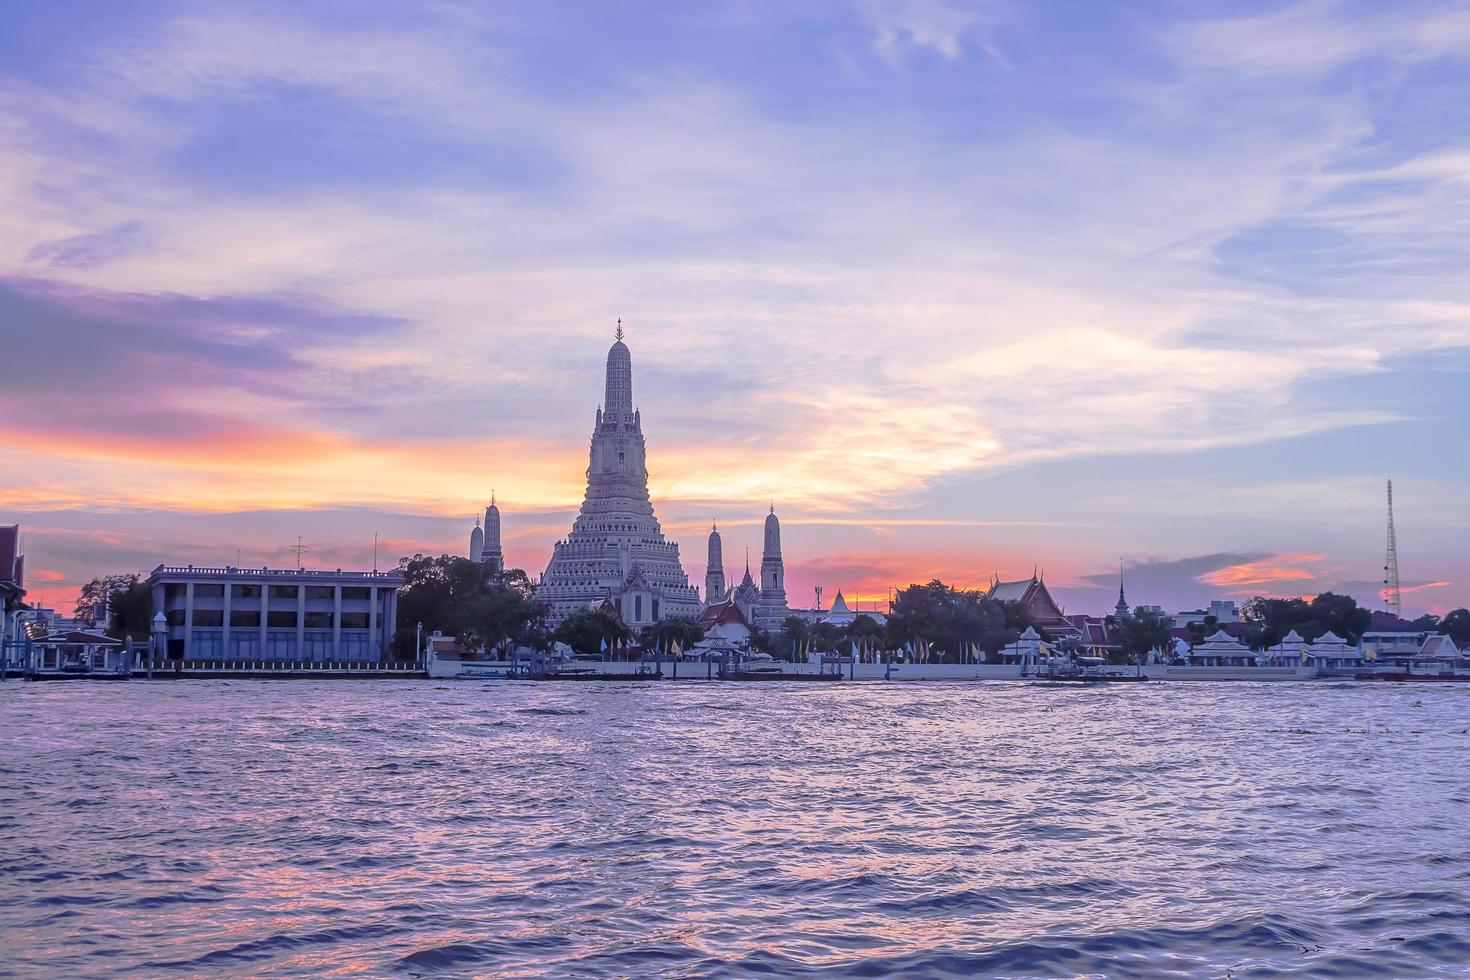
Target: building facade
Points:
(268, 614)
(12, 584)
(616, 550)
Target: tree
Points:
(1268, 620)
(1456, 625)
(865, 632)
(675, 629)
(942, 622)
(1428, 623)
(795, 633)
(591, 631)
(464, 599)
(1141, 631)
(128, 605)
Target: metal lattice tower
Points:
(1392, 595)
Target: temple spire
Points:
(1121, 609)
(619, 334)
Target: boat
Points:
(1086, 670)
(764, 667)
(1409, 675)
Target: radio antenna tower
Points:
(1392, 596)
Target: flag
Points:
(1370, 653)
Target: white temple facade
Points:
(616, 550)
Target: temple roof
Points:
(839, 605)
(725, 613)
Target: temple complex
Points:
(1033, 595)
(616, 550)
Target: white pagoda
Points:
(616, 551)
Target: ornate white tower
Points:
(772, 609)
(616, 549)
(490, 554)
(714, 572)
(477, 541)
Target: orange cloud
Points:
(1277, 568)
(47, 575)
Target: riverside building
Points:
(268, 614)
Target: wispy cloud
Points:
(299, 263)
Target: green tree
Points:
(947, 621)
(463, 599)
(1141, 631)
(1456, 625)
(1428, 622)
(589, 631)
(1268, 620)
(795, 633)
(865, 632)
(676, 629)
(127, 601)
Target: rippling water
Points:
(420, 828)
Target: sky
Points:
(965, 288)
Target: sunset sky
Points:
(964, 287)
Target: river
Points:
(416, 828)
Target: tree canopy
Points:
(941, 618)
(463, 599)
(1142, 631)
(1456, 625)
(127, 601)
(1269, 619)
(591, 631)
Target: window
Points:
(319, 592)
(354, 621)
(355, 592)
(207, 645)
(284, 591)
(318, 620)
(318, 646)
(176, 617)
(173, 592)
(280, 646)
(209, 617)
(245, 646)
(638, 608)
(241, 619)
(284, 618)
(655, 610)
(354, 647)
(245, 592)
(212, 590)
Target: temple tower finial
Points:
(620, 329)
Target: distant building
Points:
(724, 621)
(1224, 611)
(12, 582)
(264, 614)
(1392, 637)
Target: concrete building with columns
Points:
(276, 614)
